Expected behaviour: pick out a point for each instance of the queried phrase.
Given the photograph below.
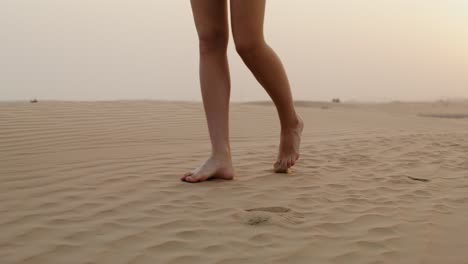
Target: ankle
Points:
(292, 124)
(221, 154)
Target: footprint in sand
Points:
(272, 215)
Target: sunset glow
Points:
(360, 49)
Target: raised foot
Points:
(211, 169)
(289, 147)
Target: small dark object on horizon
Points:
(33, 101)
(336, 100)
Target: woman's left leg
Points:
(247, 18)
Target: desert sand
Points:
(98, 182)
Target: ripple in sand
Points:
(450, 116)
(270, 209)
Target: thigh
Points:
(211, 19)
(247, 18)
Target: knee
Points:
(248, 48)
(214, 40)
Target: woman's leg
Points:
(211, 21)
(247, 18)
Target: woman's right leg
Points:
(211, 21)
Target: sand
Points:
(98, 182)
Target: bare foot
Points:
(289, 147)
(213, 168)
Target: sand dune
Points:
(98, 182)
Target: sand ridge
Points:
(97, 182)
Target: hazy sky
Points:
(148, 49)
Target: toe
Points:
(193, 179)
(186, 175)
(203, 178)
(277, 165)
(281, 166)
(190, 179)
